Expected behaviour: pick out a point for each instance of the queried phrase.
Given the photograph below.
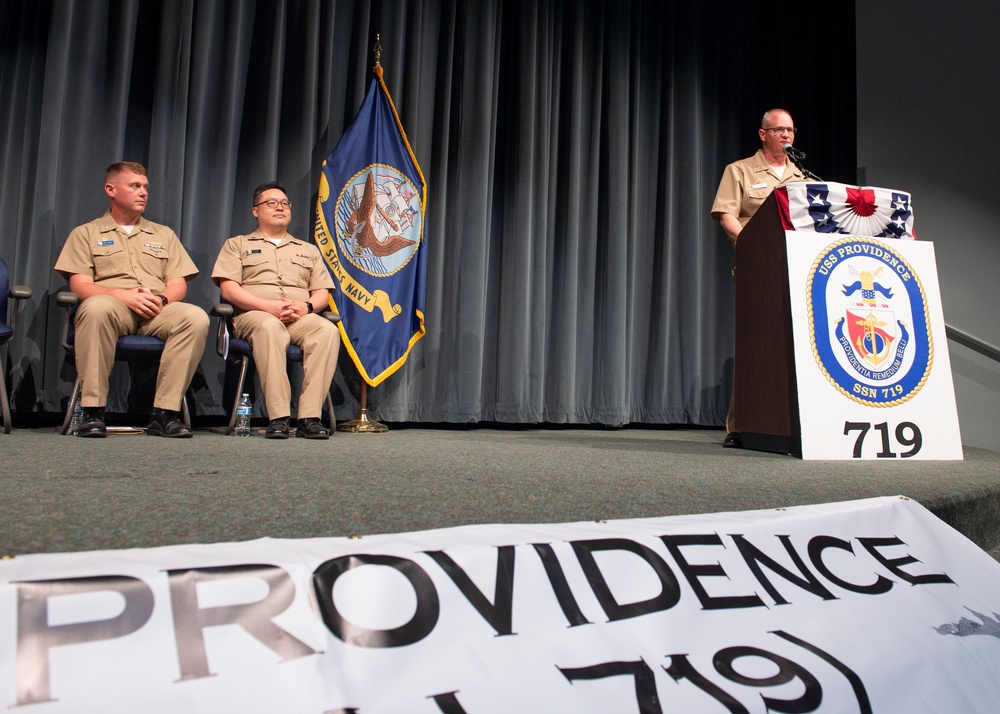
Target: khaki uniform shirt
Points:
(746, 183)
(291, 270)
(149, 257)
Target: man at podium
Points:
(744, 186)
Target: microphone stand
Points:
(798, 162)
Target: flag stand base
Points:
(363, 425)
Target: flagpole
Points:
(362, 424)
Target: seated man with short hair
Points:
(130, 276)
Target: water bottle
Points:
(76, 419)
(243, 412)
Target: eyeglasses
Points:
(781, 129)
(273, 203)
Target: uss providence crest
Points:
(869, 322)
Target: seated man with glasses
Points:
(277, 284)
(744, 186)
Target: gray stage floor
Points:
(62, 493)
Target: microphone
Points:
(796, 157)
(793, 153)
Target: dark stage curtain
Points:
(571, 149)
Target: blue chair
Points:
(14, 293)
(239, 351)
(130, 348)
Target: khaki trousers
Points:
(101, 320)
(731, 414)
(269, 337)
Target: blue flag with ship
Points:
(370, 229)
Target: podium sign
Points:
(871, 356)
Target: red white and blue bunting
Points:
(836, 208)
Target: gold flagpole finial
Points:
(378, 50)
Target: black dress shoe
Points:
(163, 422)
(92, 423)
(733, 440)
(311, 428)
(277, 429)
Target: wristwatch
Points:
(163, 299)
(309, 307)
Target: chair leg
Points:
(74, 398)
(185, 412)
(4, 403)
(332, 421)
(244, 362)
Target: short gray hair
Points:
(769, 112)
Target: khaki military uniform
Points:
(744, 187)
(746, 183)
(149, 257)
(290, 270)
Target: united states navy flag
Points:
(372, 236)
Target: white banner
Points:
(867, 606)
(871, 353)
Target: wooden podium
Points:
(765, 395)
(841, 351)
